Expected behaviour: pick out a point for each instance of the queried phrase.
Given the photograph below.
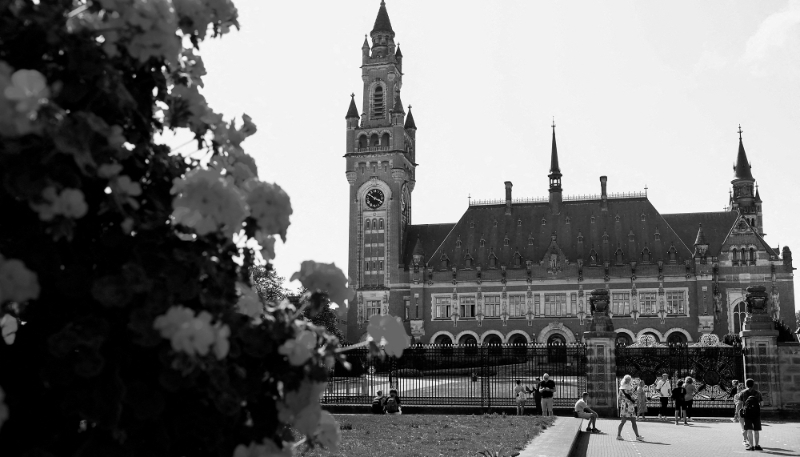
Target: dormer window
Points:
(378, 103)
(619, 256)
(673, 255)
(568, 220)
(444, 262)
(495, 223)
(505, 241)
(592, 220)
(646, 255)
(468, 261)
(544, 221)
(593, 257)
(458, 242)
(519, 222)
(492, 260)
(483, 242)
(643, 217)
(517, 260)
(471, 224)
(530, 240)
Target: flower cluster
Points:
(197, 15)
(269, 206)
(324, 277)
(389, 330)
(17, 283)
(301, 407)
(208, 202)
(299, 350)
(249, 303)
(193, 334)
(22, 92)
(69, 203)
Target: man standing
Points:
(547, 387)
(583, 411)
(664, 389)
(751, 412)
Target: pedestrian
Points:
(627, 407)
(737, 413)
(751, 411)
(732, 393)
(664, 388)
(537, 397)
(547, 387)
(378, 403)
(392, 404)
(678, 395)
(519, 398)
(641, 400)
(688, 399)
(583, 411)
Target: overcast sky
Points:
(647, 93)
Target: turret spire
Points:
(555, 176)
(410, 120)
(382, 22)
(742, 168)
(554, 152)
(352, 112)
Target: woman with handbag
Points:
(627, 407)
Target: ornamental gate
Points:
(713, 366)
(460, 375)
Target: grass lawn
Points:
(432, 435)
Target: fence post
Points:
(601, 366)
(760, 341)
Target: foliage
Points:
(732, 339)
(321, 315)
(785, 334)
(126, 300)
(268, 284)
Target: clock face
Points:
(374, 198)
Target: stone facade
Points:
(519, 270)
(789, 366)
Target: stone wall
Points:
(789, 366)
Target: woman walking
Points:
(678, 394)
(627, 407)
(737, 414)
(688, 399)
(641, 400)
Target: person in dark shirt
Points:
(751, 412)
(377, 403)
(678, 395)
(547, 387)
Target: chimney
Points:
(508, 197)
(603, 194)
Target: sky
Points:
(647, 93)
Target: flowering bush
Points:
(128, 314)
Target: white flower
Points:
(267, 244)
(69, 203)
(3, 408)
(193, 334)
(208, 202)
(299, 350)
(269, 206)
(324, 277)
(28, 89)
(390, 329)
(328, 433)
(267, 448)
(301, 408)
(17, 283)
(125, 186)
(188, 108)
(17, 112)
(249, 302)
(8, 328)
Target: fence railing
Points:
(460, 375)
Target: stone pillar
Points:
(601, 366)
(760, 340)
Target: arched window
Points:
(374, 224)
(366, 225)
(623, 339)
(593, 257)
(517, 260)
(380, 265)
(676, 338)
(739, 313)
(734, 254)
(505, 241)
(378, 104)
(443, 340)
(468, 340)
(673, 255)
(530, 241)
(752, 256)
(380, 224)
(492, 260)
(444, 262)
(373, 140)
(468, 261)
(646, 255)
(362, 141)
(385, 140)
(619, 256)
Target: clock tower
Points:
(379, 154)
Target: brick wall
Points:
(789, 366)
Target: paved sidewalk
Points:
(706, 437)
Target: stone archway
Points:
(556, 328)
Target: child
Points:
(641, 400)
(678, 394)
(377, 403)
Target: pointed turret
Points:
(700, 243)
(742, 167)
(382, 22)
(743, 198)
(398, 105)
(418, 253)
(399, 54)
(410, 120)
(555, 177)
(352, 111)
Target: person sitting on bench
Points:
(583, 411)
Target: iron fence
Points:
(460, 375)
(713, 368)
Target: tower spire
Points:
(382, 22)
(742, 169)
(352, 111)
(554, 152)
(555, 176)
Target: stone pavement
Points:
(704, 437)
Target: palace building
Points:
(520, 270)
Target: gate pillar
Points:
(601, 377)
(760, 340)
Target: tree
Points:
(268, 284)
(129, 265)
(322, 315)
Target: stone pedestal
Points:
(760, 342)
(601, 365)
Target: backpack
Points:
(750, 405)
(391, 405)
(377, 405)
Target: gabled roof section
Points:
(716, 226)
(410, 120)
(352, 111)
(742, 227)
(382, 22)
(425, 237)
(630, 225)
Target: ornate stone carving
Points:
(598, 301)
(756, 300)
(351, 177)
(417, 328)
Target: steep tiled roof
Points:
(352, 111)
(716, 226)
(398, 53)
(701, 237)
(382, 22)
(426, 237)
(410, 120)
(630, 225)
(742, 170)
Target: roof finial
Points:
(383, 3)
(352, 95)
(554, 122)
(740, 131)
(409, 106)
(645, 190)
